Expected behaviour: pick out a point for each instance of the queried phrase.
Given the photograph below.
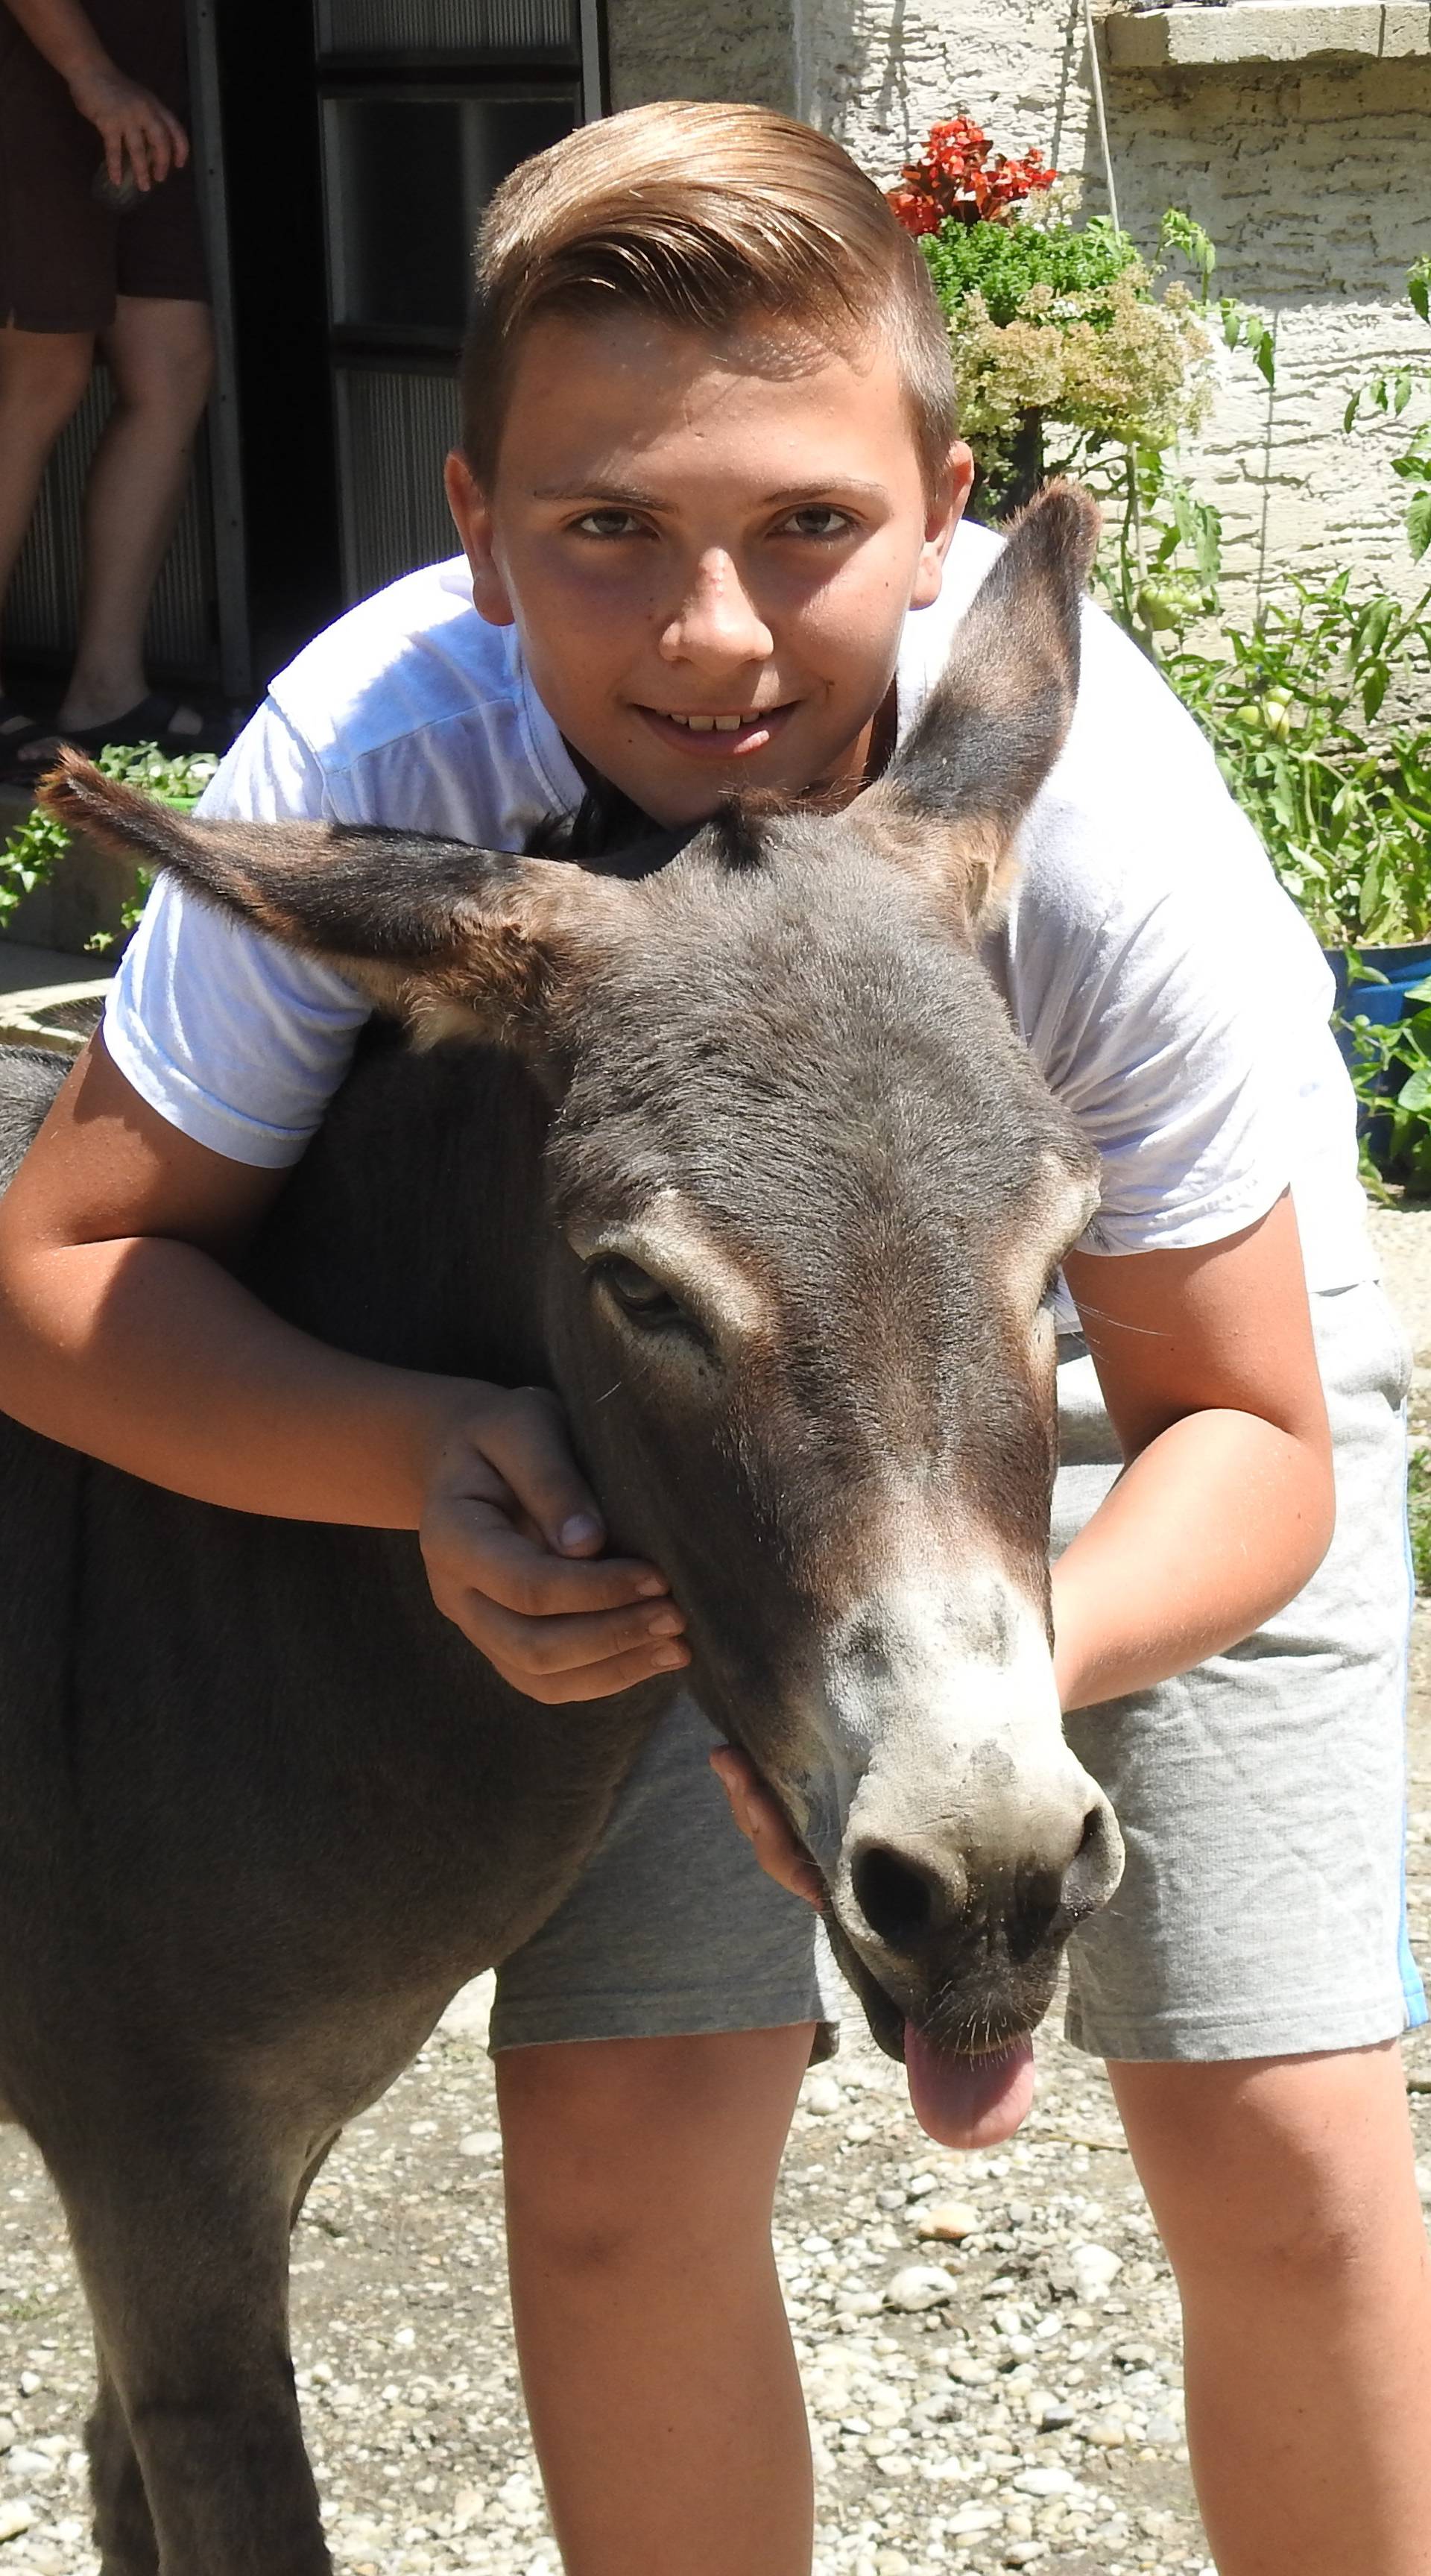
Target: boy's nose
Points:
(717, 620)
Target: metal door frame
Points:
(224, 426)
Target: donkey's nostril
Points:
(895, 1899)
(1093, 1870)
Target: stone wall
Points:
(1314, 179)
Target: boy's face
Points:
(726, 531)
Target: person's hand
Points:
(765, 1828)
(511, 1539)
(133, 122)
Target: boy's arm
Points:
(121, 1335)
(1226, 1506)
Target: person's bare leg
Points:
(43, 375)
(660, 2379)
(1285, 2192)
(159, 351)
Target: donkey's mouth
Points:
(970, 2096)
(969, 2101)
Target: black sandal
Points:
(19, 733)
(151, 720)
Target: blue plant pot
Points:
(1384, 1004)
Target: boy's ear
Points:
(952, 799)
(452, 940)
(472, 518)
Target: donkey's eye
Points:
(646, 1300)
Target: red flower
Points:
(959, 180)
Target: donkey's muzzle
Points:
(965, 1931)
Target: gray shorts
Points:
(1261, 1797)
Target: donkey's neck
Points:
(411, 1231)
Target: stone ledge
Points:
(1202, 36)
(61, 1018)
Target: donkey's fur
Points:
(263, 1811)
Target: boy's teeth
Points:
(710, 724)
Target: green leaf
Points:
(1349, 415)
(1371, 631)
(1418, 525)
(1418, 286)
(1401, 394)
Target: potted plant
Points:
(45, 901)
(1059, 340)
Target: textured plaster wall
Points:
(700, 49)
(1315, 181)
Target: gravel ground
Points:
(989, 2343)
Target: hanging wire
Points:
(1135, 498)
(1097, 74)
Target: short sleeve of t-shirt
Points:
(233, 1038)
(1142, 1032)
(1166, 987)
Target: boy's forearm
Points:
(1216, 1525)
(60, 30)
(147, 1354)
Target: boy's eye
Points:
(606, 523)
(819, 519)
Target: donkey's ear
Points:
(954, 795)
(453, 940)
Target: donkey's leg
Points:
(123, 2524)
(184, 2258)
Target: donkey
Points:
(728, 1140)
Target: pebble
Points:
(1095, 2269)
(480, 2142)
(950, 2221)
(1045, 2482)
(15, 2518)
(822, 2095)
(7, 2433)
(919, 2285)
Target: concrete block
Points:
(59, 1017)
(85, 895)
(1198, 37)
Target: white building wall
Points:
(1314, 180)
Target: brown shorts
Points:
(63, 258)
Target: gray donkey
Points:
(729, 1142)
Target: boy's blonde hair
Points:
(705, 216)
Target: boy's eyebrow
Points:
(626, 496)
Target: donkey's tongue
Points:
(968, 2101)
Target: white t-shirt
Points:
(1167, 988)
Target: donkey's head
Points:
(806, 1197)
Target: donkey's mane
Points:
(610, 836)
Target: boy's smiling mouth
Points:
(721, 736)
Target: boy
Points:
(708, 494)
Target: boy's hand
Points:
(511, 1537)
(765, 1828)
